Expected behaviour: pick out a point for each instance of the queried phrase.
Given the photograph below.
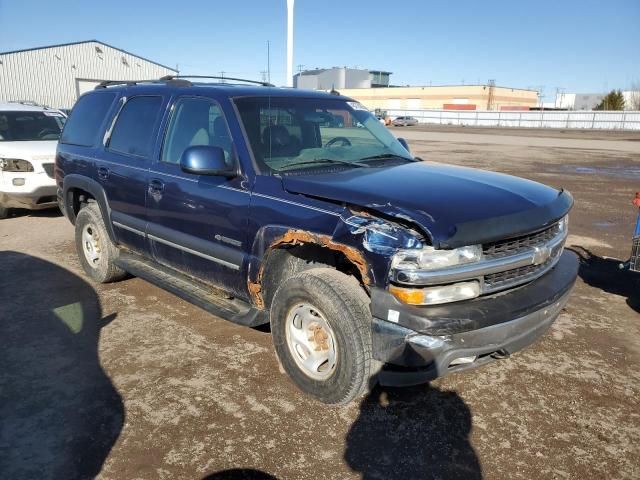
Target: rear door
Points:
(123, 167)
(197, 223)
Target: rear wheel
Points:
(96, 251)
(321, 327)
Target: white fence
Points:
(603, 120)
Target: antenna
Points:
(268, 62)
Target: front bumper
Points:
(38, 191)
(423, 343)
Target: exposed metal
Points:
(55, 76)
(301, 237)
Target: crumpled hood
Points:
(455, 206)
(33, 151)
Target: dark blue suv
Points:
(299, 209)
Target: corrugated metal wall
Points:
(51, 76)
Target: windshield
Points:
(289, 133)
(30, 125)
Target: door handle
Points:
(156, 187)
(103, 172)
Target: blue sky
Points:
(584, 46)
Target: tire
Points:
(4, 212)
(96, 251)
(324, 297)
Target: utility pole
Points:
(289, 82)
(492, 86)
(300, 68)
(222, 76)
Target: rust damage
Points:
(300, 237)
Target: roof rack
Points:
(111, 83)
(233, 79)
(30, 103)
(177, 80)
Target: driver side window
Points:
(196, 121)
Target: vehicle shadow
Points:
(59, 412)
(605, 274)
(45, 213)
(412, 433)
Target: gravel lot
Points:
(128, 381)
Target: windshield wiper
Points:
(325, 160)
(385, 156)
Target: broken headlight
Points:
(428, 258)
(15, 165)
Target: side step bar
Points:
(193, 291)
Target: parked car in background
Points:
(404, 122)
(370, 265)
(28, 138)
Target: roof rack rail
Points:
(30, 103)
(111, 83)
(257, 82)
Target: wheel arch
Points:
(77, 189)
(281, 251)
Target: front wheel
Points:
(321, 327)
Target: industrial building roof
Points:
(87, 41)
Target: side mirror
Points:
(205, 160)
(404, 143)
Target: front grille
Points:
(520, 275)
(634, 261)
(497, 280)
(49, 167)
(513, 246)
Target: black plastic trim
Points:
(95, 189)
(507, 226)
(226, 254)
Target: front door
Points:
(197, 223)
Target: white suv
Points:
(28, 138)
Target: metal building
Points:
(328, 78)
(58, 74)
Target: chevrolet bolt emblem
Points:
(541, 255)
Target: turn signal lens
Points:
(437, 295)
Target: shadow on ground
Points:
(59, 412)
(605, 274)
(410, 433)
(45, 213)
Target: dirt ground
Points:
(126, 381)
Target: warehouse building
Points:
(447, 97)
(373, 89)
(57, 75)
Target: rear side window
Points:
(133, 131)
(82, 127)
